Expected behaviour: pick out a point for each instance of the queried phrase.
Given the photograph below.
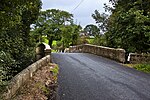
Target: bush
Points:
(16, 45)
(14, 60)
(6, 63)
(83, 40)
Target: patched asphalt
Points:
(89, 77)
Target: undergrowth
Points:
(143, 67)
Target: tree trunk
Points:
(50, 42)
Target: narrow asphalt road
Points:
(90, 77)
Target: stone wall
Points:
(47, 52)
(135, 58)
(23, 76)
(112, 53)
(77, 49)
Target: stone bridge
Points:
(86, 76)
(87, 73)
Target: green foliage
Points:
(55, 70)
(70, 34)
(56, 25)
(5, 60)
(83, 40)
(92, 30)
(49, 23)
(56, 45)
(59, 43)
(100, 40)
(90, 40)
(16, 45)
(44, 39)
(101, 20)
(45, 89)
(128, 26)
(143, 67)
(75, 34)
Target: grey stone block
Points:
(32, 68)
(25, 75)
(112, 53)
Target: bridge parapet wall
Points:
(112, 53)
(135, 58)
(20, 79)
(77, 49)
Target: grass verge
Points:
(141, 67)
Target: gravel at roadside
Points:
(42, 86)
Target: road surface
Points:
(89, 77)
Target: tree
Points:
(128, 26)
(99, 39)
(16, 47)
(70, 34)
(75, 34)
(101, 20)
(92, 30)
(131, 23)
(49, 23)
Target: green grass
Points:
(45, 89)
(143, 67)
(130, 65)
(55, 69)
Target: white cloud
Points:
(82, 13)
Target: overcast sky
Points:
(82, 14)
